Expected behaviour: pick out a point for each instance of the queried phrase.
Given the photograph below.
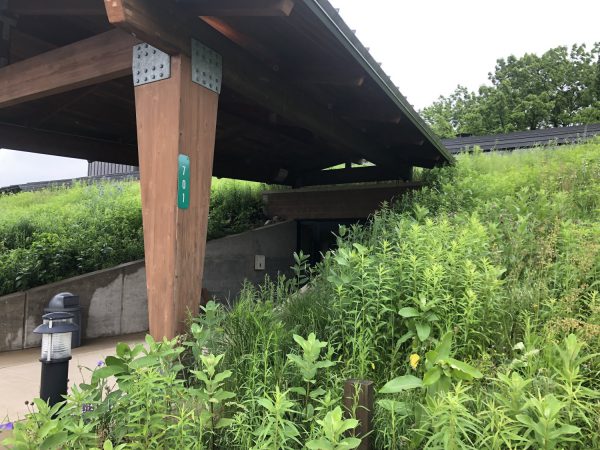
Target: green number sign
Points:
(183, 182)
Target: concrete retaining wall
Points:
(114, 300)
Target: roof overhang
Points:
(300, 92)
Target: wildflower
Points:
(87, 407)
(100, 363)
(414, 360)
(7, 426)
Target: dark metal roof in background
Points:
(68, 182)
(523, 139)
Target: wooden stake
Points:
(174, 116)
(358, 400)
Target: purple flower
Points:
(87, 407)
(7, 426)
(100, 363)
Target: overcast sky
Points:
(426, 46)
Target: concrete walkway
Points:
(20, 372)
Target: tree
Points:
(562, 87)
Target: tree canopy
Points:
(559, 88)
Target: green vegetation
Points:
(473, 305)
(559, 88)
(49, 235)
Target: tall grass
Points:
(473, 304)
(56, 233)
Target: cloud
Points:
(22, 167)
(428, 47)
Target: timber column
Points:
(176, 100)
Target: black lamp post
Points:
(56, 331)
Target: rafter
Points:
(354, 175)
(333, 202)
(169, 28)
(100, 58)
(224, 8)
(50, 143)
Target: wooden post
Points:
(358, 400)
(174, 116)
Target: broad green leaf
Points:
(136, 350)
(361, 248)
(265, 403)
(114, 361)
(223, 395)
(223, 422)
(432, 376)
(394, 406)
(54, 441)
(149, 340)
(46, 428)
(525, 420)
(409, 311)
(298, 390)
(324, 364)
(106, 371)
(565, 429)
(348, 424)
(222, 376)
(320, 444)
(316, 393)
(423, 330)
(144, 361)
(443, 348)
(200, 375)
(349, 443)
(400, 384)
(123, 350)
(464, 367)
(405, 337)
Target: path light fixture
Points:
(56, 331)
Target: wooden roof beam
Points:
(239, 8)
(57, 7)
(243, 40)
(100, 58)
(167, 26)
(354, 175)
(50, 143)
(333, 202)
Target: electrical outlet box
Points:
(259, 262)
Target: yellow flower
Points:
(414, 360)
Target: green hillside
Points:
(473, 305)
(53, 234)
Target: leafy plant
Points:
(545, 423)
(441, 369)
(419, 321)
(211, 394)
(502, 249)
(308, 364)
(275, 431)
(333, 427)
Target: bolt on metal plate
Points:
(150, 64)
(207, 67)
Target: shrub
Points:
(53, 234)
(472, 304)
